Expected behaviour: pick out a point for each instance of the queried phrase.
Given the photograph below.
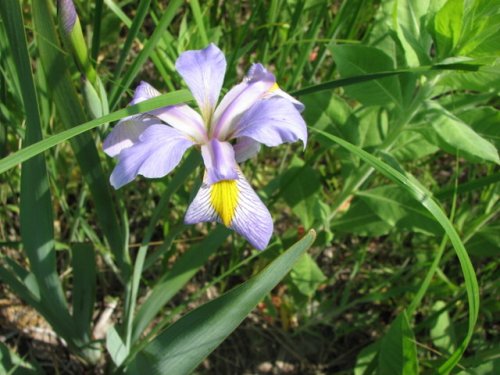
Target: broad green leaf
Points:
(182, 346)
(398, 350)
(300, 187)
(488, 367)
(422, 195)
(487, 78)
(411, 146)
(393, 205)
(452, 135)
(448, 27)
(410, 25)
(485, 122)
(442, 329)
(362, 220)
(486, 242)
(306, 275)
(357, 60)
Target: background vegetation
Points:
(399, 181)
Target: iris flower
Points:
(252, 113)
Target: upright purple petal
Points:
(126, 133)
(254, 87)
(185, 119)
(203, 70)
(158, 151)
(219, 161)
(249, 217)
(272, 122)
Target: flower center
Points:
(224, 199)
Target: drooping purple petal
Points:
(254, 87)
(126, 133)
(250, 218)
(203, 70)
(158, 151)
(279, 92)
(245, 148)
(272, 122)
(219, 161)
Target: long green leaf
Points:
(182, 271)
(424, 196)
(71, 113)
(182, 346)
(37, 230)
(37, 148)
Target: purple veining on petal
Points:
(252, 219)
(272, 122)
(219, 161)
(158, 151)
(203, 70)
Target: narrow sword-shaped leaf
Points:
(424, 196)
(182, 346)
(37, 148)
(71, 113)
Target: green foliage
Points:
(399, 179)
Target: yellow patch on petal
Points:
(224, 199)
(273, 88)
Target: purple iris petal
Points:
(298, 105)
(254, 87)
(126, 133)
(272, 122)
(158, 151)
(219, 161)
(144, 92)
(245, 148)
(203, 70)
(185, 119)
(251, 218)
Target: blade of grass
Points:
(120, 87)
(96, 31)
(374, 76)
(198, 18)
(177, 97)
(424, 196)
(142, 11)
